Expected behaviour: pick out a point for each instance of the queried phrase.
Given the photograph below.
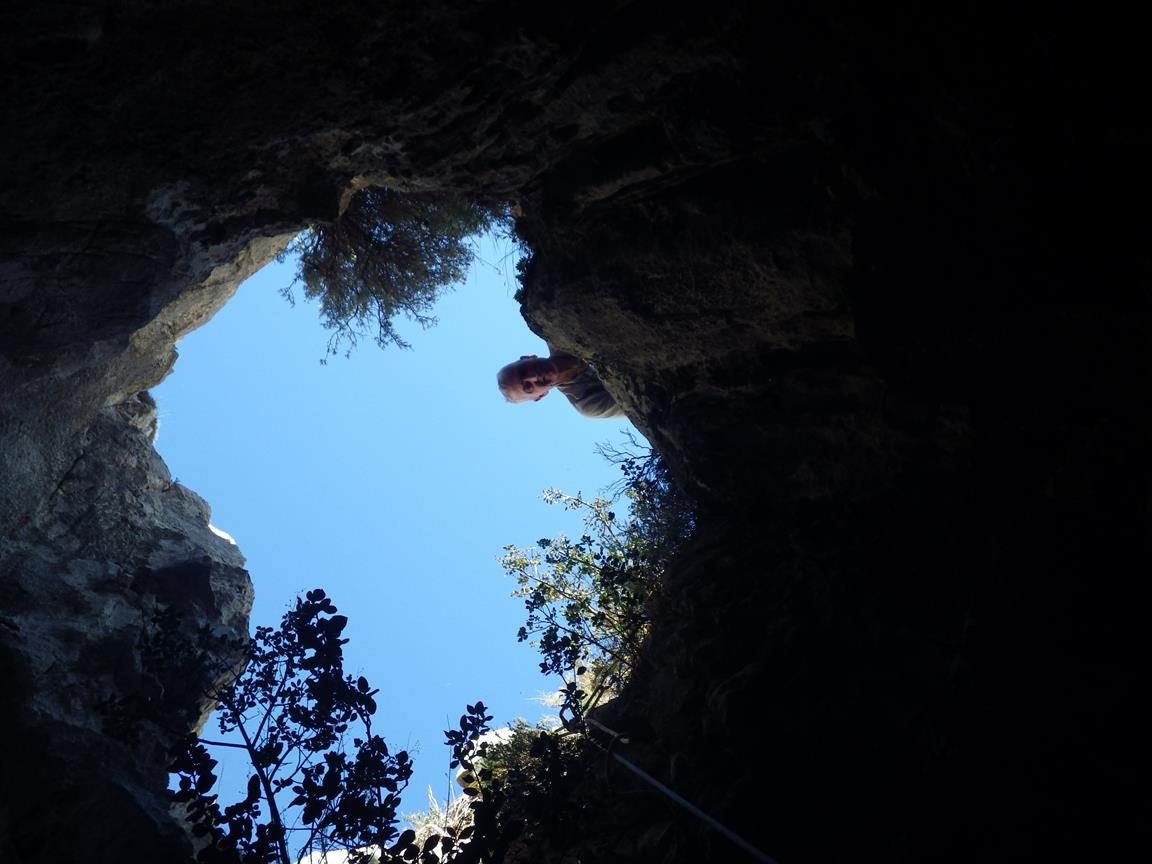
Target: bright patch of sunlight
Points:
(223, 535)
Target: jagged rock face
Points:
(116, 541)
(870, 282)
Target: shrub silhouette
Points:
(388, 253)
(292, 710)
(587, 598)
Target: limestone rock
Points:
(116, 540)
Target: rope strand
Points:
(672, 794)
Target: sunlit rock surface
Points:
(876, 285)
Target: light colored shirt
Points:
(588, 396)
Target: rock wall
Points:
(899, 349)
(876, 284)
(116, 540)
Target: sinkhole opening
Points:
(395, 480)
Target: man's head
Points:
(527, 380)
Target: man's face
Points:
(529, 379)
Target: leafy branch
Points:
(291, 709)
(387, 253)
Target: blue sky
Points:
(392, 480)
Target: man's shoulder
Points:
(588, 395)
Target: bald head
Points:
(526, 380)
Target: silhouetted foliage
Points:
(292, 710)
(527, 759)
(527, 805)
(388, 253)
(519, 791)
(658, 511)
(453, 818)
(587, 598)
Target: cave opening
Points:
(392, 479)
